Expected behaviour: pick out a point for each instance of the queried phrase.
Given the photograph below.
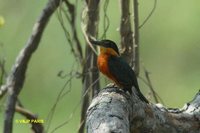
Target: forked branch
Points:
(16, 79)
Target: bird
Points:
(115, 68)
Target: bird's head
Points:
(107, 46)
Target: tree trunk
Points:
(114, 111)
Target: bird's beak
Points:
(95, 42)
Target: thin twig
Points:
(58, 98)
(150, 14)
(72, 22)
(75, 108)
(66, 32)
(106, 20)
(147, 83)
(37, 127)
(136, 37)
(2, 77)
(3, 71)
(16, 79)
(150, 85)
(87, 35)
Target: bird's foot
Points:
(110, 85)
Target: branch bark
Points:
(16, 79)
(90, 71)
(116, 111)
(126, 33)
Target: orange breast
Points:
(102, 64)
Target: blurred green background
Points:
(170, 46)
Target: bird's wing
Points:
(122, 72)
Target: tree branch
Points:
(116, 111)
(72, 21)
(3, 71)
(150, 14)
(36, 127)
(136, 38)
(150, 85)
(126, 33)
(2, 77)
(90, 21)
(106, 20)
(16, 79)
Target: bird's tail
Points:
(140, 95)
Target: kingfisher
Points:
(113, 66)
